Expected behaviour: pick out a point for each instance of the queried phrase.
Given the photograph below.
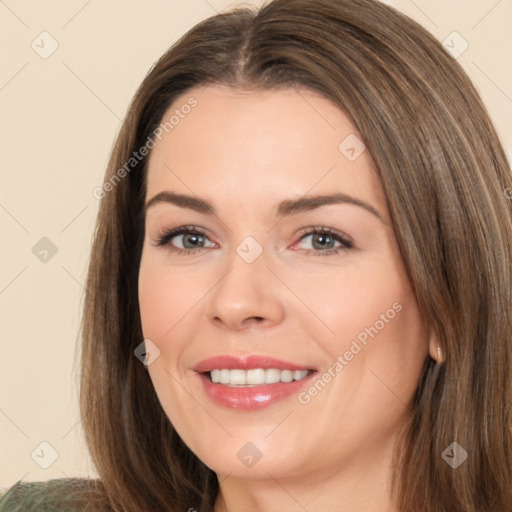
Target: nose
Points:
(248, 295)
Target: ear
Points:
(434, 348)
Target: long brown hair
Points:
(445, 177)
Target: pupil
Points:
(322, 240)
(191, 237)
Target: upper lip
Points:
(229, 362)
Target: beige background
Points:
(59, 117)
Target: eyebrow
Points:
(284, 209)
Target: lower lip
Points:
(253, 397)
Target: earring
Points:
(440, 354)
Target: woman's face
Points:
(253, 286)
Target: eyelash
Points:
(164, 239)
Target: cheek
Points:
(153, 302)
(382, 334)
(163, 297)
(171, 306)
(356, 298)
(373, 308)
(162, 302)
(375, 317)
(380, 339)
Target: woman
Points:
(299, 290)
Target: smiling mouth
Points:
(254, 377)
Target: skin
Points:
(245, 152)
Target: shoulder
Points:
(61, 494)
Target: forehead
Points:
(252, 147)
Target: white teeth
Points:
(256, 376)
(237, 377)
(272, 375)
(224, 376)
(287, 375)
(300, 374)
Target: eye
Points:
(324, 240)
(189, 239)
